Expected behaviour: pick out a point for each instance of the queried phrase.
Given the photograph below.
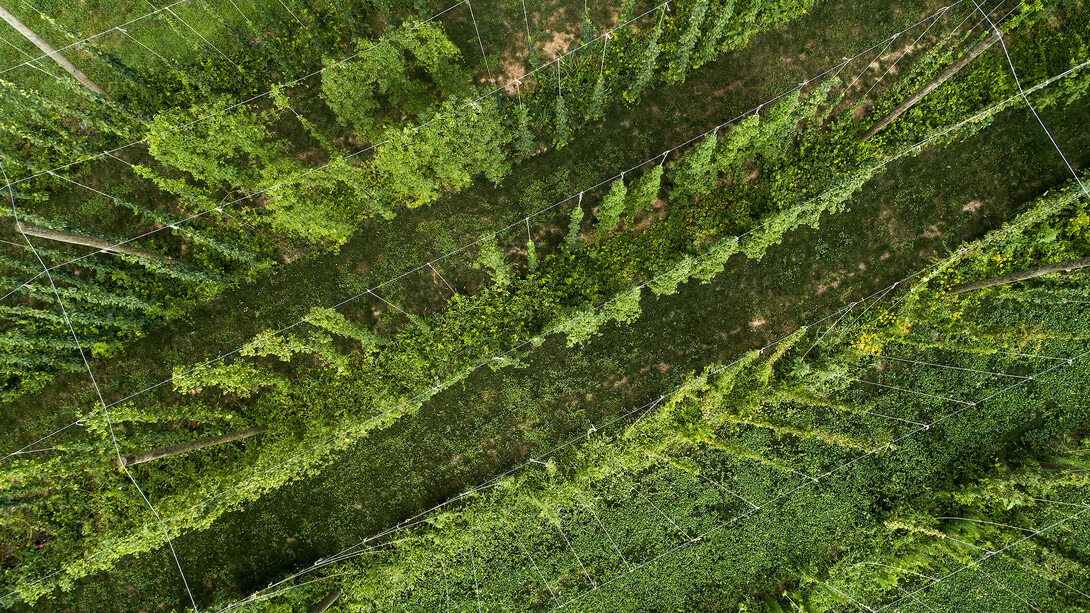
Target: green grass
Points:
(904, 217)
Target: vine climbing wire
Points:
(420, 518)
(350, 552)
(102, 401)
(936, 580)
(526, 552)
(289, 460)
(327, 441)
(476, 589)
(928, 272)
(606, 532)
(908, 48)
(662, 155)
(990, 554)
(1022, 92)
(373, 146)
(843, 466)
(303, 174)
(884, 163)
(640, 287)
(755, 507)
(526, 20)
(92, 37)
(230, 107)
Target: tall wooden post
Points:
(52, 53)
(930, 86)
(1023, 275)
(327, 602)
(80, 239)
(162, 452)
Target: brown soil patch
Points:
(509, 73)
(972, 207)
(557, 46)
(932, 232)
(828, 286)
(861, 111)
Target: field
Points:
(609, 468)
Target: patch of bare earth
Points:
(561, 42)
(932, 232)
(509, 75)
(972, 207)
(661, 366)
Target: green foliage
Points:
(709, 44)
(417, 164)
(759, 424)
(679, 61)
(571, 240)
(384, 82)
(563, 130)
(893, 504)
(531, 256)
(1039, 50)
(335, 323)
(586, 28)
(493, 257)
(611, 208)
(319, 206)
(240, 379)
(647, 64)
(696, 174)
(598, 98)
(524, 139)
(220, 149)
(645, 190)
(45, 129)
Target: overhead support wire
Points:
(106, 408)
(417, 519)
(98, 391)
(520, 221)
(844, 466)
(710, 251)
(484, 55)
